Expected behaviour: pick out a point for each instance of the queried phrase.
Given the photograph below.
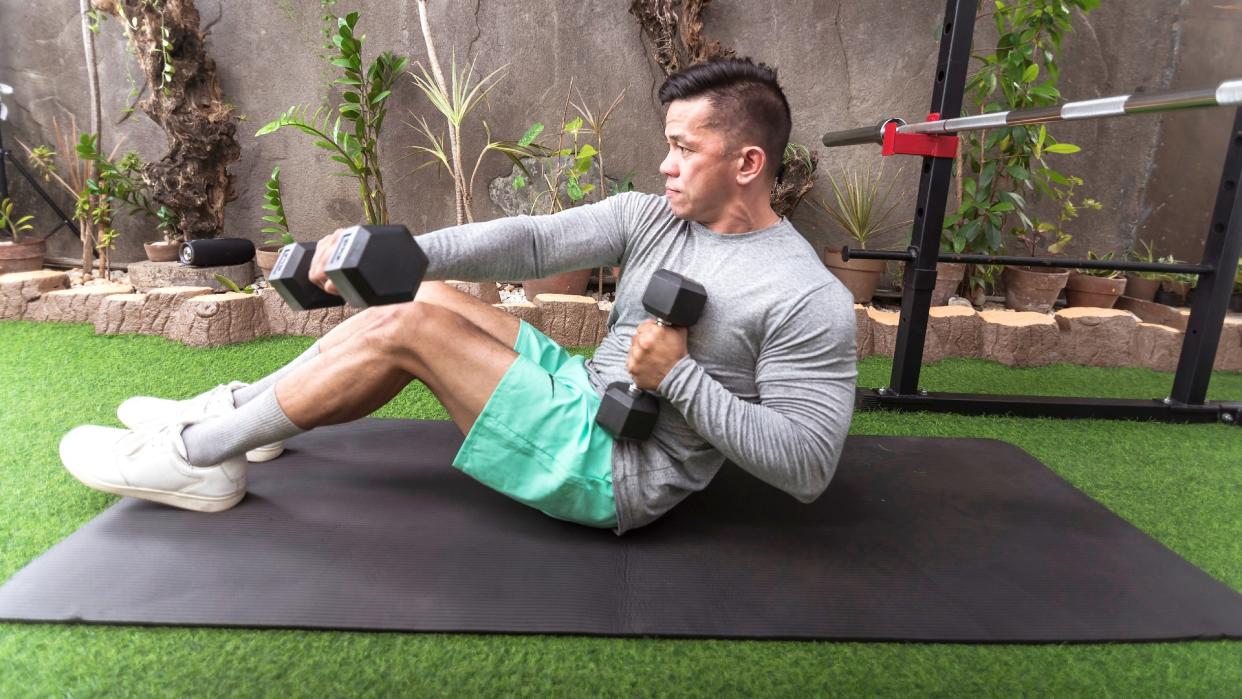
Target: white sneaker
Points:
(151, 464)
(144, 411)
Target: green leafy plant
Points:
(1237, 279)
(859, 208)
(273, 202)
(1169, 276)
(121, 180)
(1144, 252)
(364, 97)
(1101, 273)
(15, 226)
(1002, 172)
(92, 208)
(232, 285)
(1051, 234)
(564, 182)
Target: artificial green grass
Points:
(1182, 484)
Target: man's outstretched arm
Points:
(516, 247)
(528, 247)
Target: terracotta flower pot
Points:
(22, 257)
(574, 283)
(160, 251)
(1140, 288)
(948, 277)
(265, 257)
(1031, 289)
(859, 276)
(1096, 292)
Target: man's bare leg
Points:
(387, 347)
(492, 320)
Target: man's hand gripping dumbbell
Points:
(627, 411)
(362, 266)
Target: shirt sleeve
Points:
(530, 247)
(805, 375)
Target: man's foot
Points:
(151, 464)
(144, 412)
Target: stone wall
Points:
(197, 317)
(842, 62)
(200, 317)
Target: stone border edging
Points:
(195, 316)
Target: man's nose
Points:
(668, 166)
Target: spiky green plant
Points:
(273, 202)
(859, 208)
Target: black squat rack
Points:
(935, 141)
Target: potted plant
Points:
(1003, 172)
(92, 211)
(1098, 288)
(166, 250)
(121, 180)
(959, 239)
(1143, 285)
(860, 211)
(570, 175)
(1175, 288)
(19, 254)
(1033, 288)
(265, 256)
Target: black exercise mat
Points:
(367, 526)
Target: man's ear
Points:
(753, 161)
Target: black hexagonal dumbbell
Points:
(627, 411)
(370, 266)
(290, 277)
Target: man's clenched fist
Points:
(653, 352)
(323, 253)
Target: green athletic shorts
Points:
(536, 439)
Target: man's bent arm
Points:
(529, 247)
(792, 438)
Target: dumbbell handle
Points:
(634, 390)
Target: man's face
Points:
(699, 173)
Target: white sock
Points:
(260, 421)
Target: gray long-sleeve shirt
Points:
(769, 380)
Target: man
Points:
(765, 378)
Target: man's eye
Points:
(684, 150)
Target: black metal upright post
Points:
(920, 275)
(1220, 254)
(4, 155)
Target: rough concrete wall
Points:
(1186, 164)
(842, 62)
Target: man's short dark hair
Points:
(748, 105)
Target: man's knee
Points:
(411, 327)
